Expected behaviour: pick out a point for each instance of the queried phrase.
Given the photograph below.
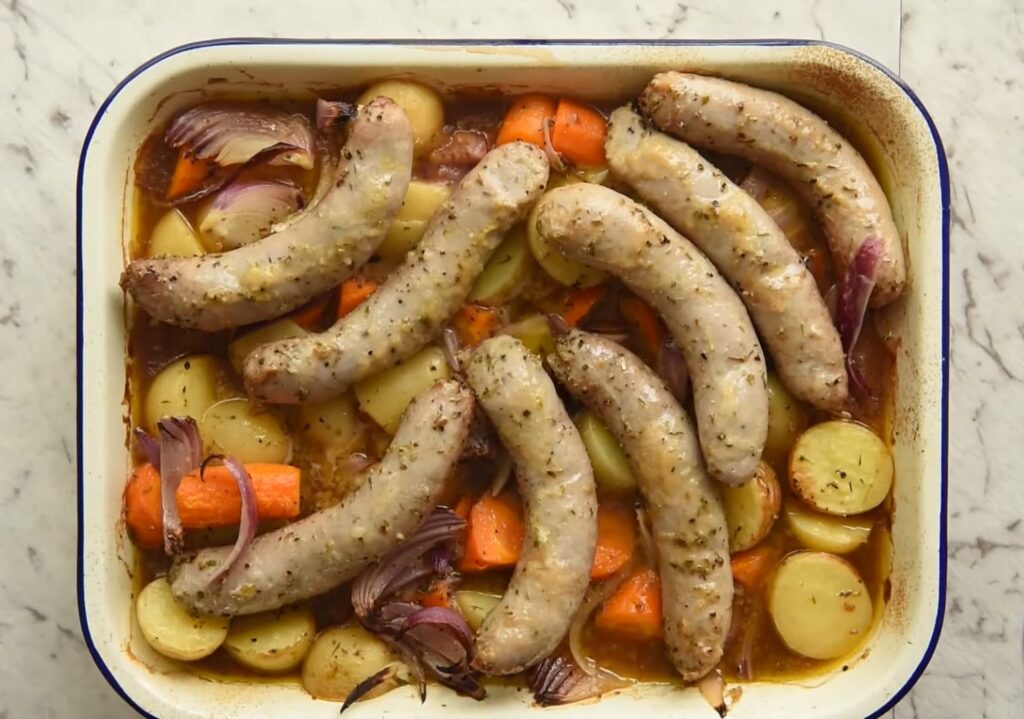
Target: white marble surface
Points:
(59, 58)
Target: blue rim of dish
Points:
(220, 42)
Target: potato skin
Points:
(340, 658)
(751, 509)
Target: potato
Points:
(751, 509)
(174, 237)
(422, 201)
(506, 271)
(421, 104)
(611, 467)
(342, 657)
(385, 396)
(819, 605)
(169, 628)
(240, 347)
(333, 423)
(238, 428)
(475, 606)
(823, 532)
(786, 420)
(567, 272)
(185, 387)
(840, 468)
(534, 332)
(271, 642)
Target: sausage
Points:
(411, 307)
(748, 248)
(603, 229)
(790, 140)
(557, 486)
(329, 547)
(685, 507)
(307, 257)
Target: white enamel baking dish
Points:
(890, 121)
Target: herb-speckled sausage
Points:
(601, 228)
(786, 138)
(687, 516)
(557, 487)
(323, 550)
(745, 244)
(411, 307)
(304, 259)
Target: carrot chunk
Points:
(525, 119)
(750, 567)
(353, 292)
(635, 608)
(189, 175)
(494, 533)
(475, 323)
(616, 540)
(579, 133)
(577, 303)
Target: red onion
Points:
(233, 134)
(556, 680)
(672, 369)
(247, 210)
(502, 473)
(463, 148)
(595, 596)
(442, 618)
(549, 149)
(356, 463)
(149, 446)
(249, 519)
(180, 449)
(852, 303)
(330, 112)
(712, 688)
(367, 685)
(450, 347)
(756, 183)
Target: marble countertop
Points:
(60, 58)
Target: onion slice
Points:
(595, 596)
(672, 369)
(149, 446)
(249, 519)
(852, 303)
(367, 685)
(441, 617)
(180, 449)
(557, 680)
(233, 134)
(248, 210)
(712, 688)
(502, 473)
(549, 149)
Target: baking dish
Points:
(888, 122)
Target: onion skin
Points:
(246, 211)
(852, 303)
(249, 518)
(180, 449)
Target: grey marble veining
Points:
(60, 58)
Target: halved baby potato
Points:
(819, 604)
(840, 468)
(612, 470)
(173, 236)
(187, 387)
(422, 201)
(271, 642)
(332, 423)
(386, 395)
(506, 271)
(751, 508)
(421, 104)
(475, 606)
(824, 532)
(238, 428)
(168, 627)
(787, 418)
(241, 347)
(341, 658)
(533, 331)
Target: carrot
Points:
(475, 323)
(646, 321)
(579, 133)
(615, 540)
(635, 608)
(212, 501)
(310, 314)
(439, 595)
(353, 292)
(494, 533)
(462, 508)
(577, 303)
(525, 120)
(750, 567)
(189, 174)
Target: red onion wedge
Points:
(557, 680)
(149, 446)
(712, 688)
(249, 519)
(180, 449)
(332, 112)
(234, 134)
(367, 685)
(852, 303)
(246, 211)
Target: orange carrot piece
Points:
(353, 292)
(577, 303)
(749, 568)
(525, 119)
(494, 533)
(647, 322)
(579, 133)
(616, 540)
(462, 508)
(189, 174)
(475, 323)
(310, 314)
(212, 501)
(635, 608)
(439, 595)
